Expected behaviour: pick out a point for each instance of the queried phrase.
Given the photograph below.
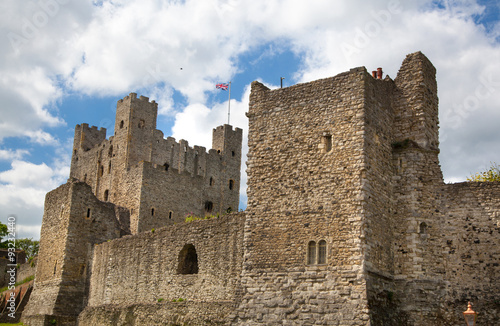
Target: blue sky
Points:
(65, 62)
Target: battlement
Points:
(87, 138)
(133, 96)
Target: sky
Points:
(66, 62)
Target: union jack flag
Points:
(224, 87)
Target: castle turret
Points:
(134, 126)
(227, 142)
(416, 102)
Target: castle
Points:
(348, 220)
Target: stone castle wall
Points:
(148, 268)
(74, 221)
(470, 242)
(304, 185)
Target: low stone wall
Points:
(147, 268)
(26, 270)
(169, 313)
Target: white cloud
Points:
(23, 189)
(9, 155)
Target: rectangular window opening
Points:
(327, 143)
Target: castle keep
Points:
(348, 220)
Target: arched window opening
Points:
(209, 206)
(166, 166)
(89, 212)
(152, 212)
(121, 124)
(188, 260)
(233, 153)
(423, 228)
(311, 253)
(170, 215)
(211, 181)
(106, 195)
(231, 184)
(141, 124)
(322, 252)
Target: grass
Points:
(26, 280)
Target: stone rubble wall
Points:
(26, 270)
(304, 184)
(185, 313)
(74, 220)
(143, 268)
(470, 242)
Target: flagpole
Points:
(229, 104)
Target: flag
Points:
(222, 86)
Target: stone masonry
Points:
(348, 222)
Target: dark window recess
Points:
(88, 212)
(82, 269)
(233, 153)
(121, 124)
(208, 206)
(327, 143)
(322, 252)
(231, 184)
(106, 195)
(188, 260)
(170, 215)
(423, 228)
(211, 181)
(311, 253)
(166, 166)
(152, 212)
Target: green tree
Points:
(3, 231)
(492, 174)
(29, 246)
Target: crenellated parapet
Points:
(88, 137)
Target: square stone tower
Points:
(324, 189)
